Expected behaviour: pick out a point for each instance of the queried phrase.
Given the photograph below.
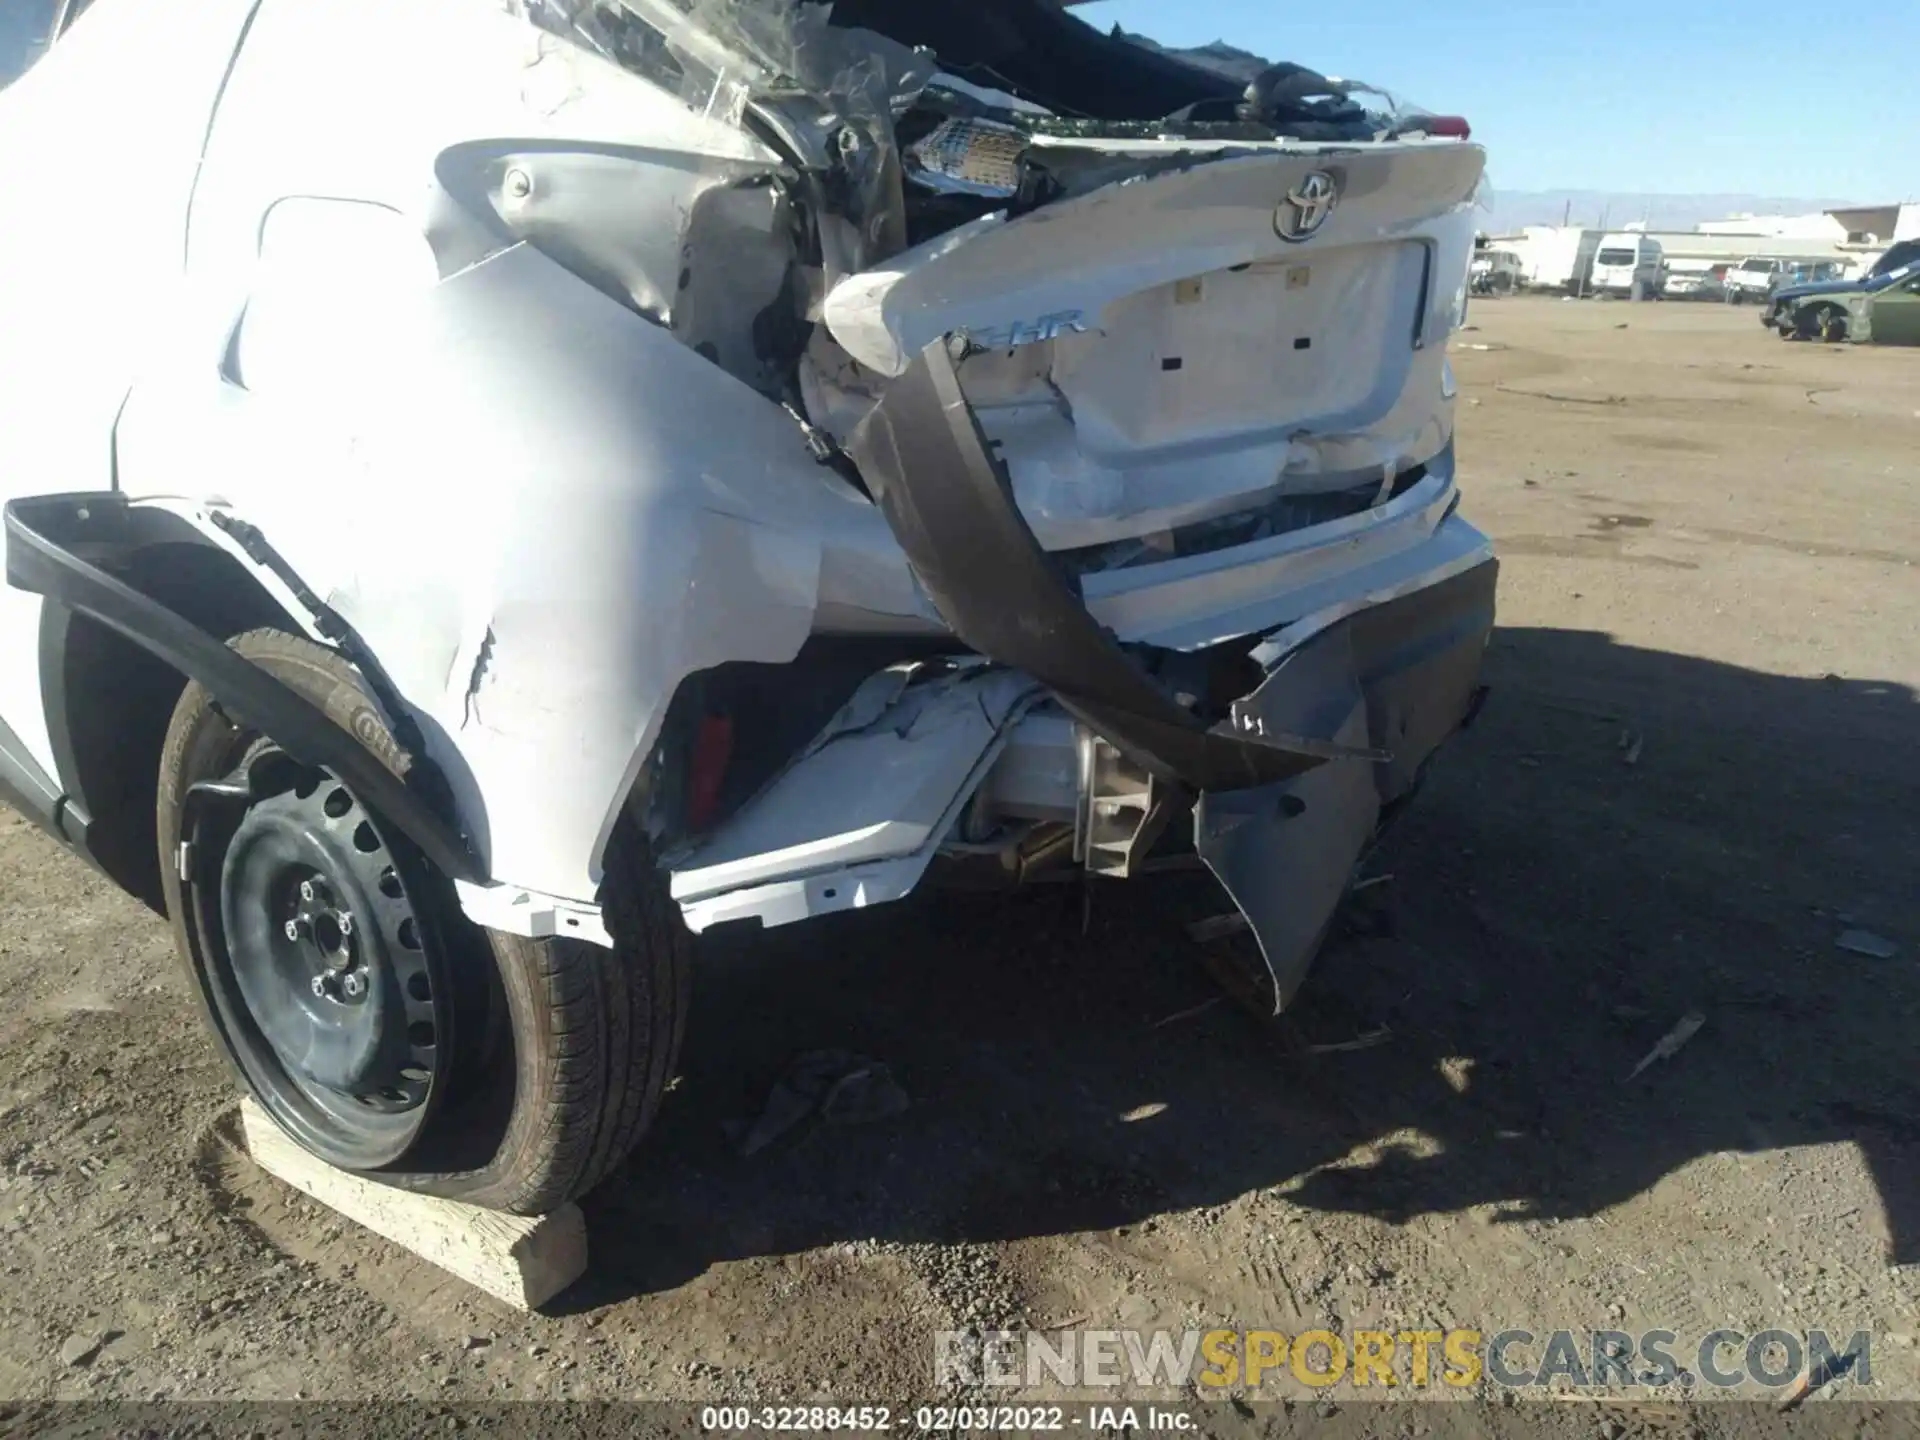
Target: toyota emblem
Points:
(1307, 206)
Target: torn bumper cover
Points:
(1401, 676)
(1291, 784)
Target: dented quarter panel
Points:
(539, 509)
(523, 580)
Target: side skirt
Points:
(28, 788)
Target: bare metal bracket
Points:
(1124, 809)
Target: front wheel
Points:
(380, 1027)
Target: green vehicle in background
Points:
(1882, 308)
(1890, 316)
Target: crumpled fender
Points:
(43, 534)
(541, 513)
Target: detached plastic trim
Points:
(42, 536)
(950, 504)
(28, 788)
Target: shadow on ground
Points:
(1562, 897)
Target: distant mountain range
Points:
(1513, 209)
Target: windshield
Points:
(1898, 258)
(1757, 267)
(24, 27)
(1617, 257)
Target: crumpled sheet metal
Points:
(776, 45)
(863, 74)
(720, 56)
(862, 80)
(965, 156)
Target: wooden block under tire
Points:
(522, 1260)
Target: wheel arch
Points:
(108, 700)
(80, 552)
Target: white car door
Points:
(102, 139)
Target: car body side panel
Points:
(1892, 317)
(424, 333)
(538, 508)
(105, 132)
(597, 527)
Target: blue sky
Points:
(1713, 96)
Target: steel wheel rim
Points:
(316, 948)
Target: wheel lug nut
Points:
(306, 891)
(354, 985)
(320, 987)
(346, 922)
(293, 929)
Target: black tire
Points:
(565, 1047)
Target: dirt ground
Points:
(1699, 766)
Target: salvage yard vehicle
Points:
(1497, 272)
(1629, 264)
(1691, 283)
(1871, 307)
(493, 490)
(1883, 313)
(1758, 277)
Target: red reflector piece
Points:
(712, 749)
(1453, 126)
